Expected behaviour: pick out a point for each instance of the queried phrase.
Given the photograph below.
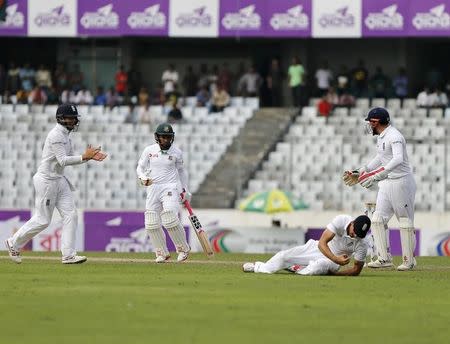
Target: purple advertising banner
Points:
(16, 19)
(118, 232)
(10, 222)
(429, 18)
(385, 18)
(394, 239)
(99, 17)
(145, 17)
(242, 18)
(288, 18)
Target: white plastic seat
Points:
(378, 102)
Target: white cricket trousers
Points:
(51, 194)
(396, 196)
(163, 197)
(307, 255)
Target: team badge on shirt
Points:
(169, 194)
(170, 157)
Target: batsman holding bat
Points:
(161, 170)
(54, 190)
(397, 189)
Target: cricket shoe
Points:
(13, 253)
(162, 259)
(74, 260)
(380, 263)
(248, 267)
(405, 266)
(182, 256)
(294, 268)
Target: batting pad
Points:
(380, 232)
(156, 233)
(171, 222)
(407, 238)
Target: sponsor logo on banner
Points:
(52, 18)
(149, 18)
(388, 18)
(292, 19)
(103, 18)
(246, 18)
(193, 18)
(15, 19)
(49, 240)
(340, 18)
(55, 18)
(197, 18)
(435, 18)
(137, 241)
(441, 245)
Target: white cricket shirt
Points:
(342, 243)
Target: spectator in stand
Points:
(212, 79)
(143, 97)
(296, 73)
(121, 81)
(360, 77)
(22, 97)
(170, 79)
(175, 114)
(438, 99)
(379, 83)
(100, 96)
(203, 97)
(400, 84)
(342, 81)
(60, 78)
(6, 97)
(275, 83)
(68, 96)
(27, 76)
(220, 99)
(52, 96)
(324, 77)
(203, 78)
(112, 98)
(346, 99)
(13, 78)
(43, 77)
(134, 81)
(37, 96)
(324, 107)
(2, 79)
(250, 83)
(76, 78)
(84, 96)
(189, 82)
(158, 97)
(424, 99)
(225, 77)
(332, 97)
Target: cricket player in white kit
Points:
(342, 239)
(397, 188)
(161, 170)
(54, 190)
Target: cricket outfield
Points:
(126, 298)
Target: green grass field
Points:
(131, 300)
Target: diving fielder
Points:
(397, 189)
(343, 238)
(161, 170)
(54, 190)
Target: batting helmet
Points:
(361, 225)
(67, 111)
(379, 113)
(164, 129)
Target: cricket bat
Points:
(201, 235)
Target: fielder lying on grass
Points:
(342, 239)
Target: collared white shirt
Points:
(342, 243)
(57, 153)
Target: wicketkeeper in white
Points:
(342, 239)
(161, 170)
(54, 190)
(397, 188)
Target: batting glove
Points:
(350, 178)
(368, 179)
(186, 196)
